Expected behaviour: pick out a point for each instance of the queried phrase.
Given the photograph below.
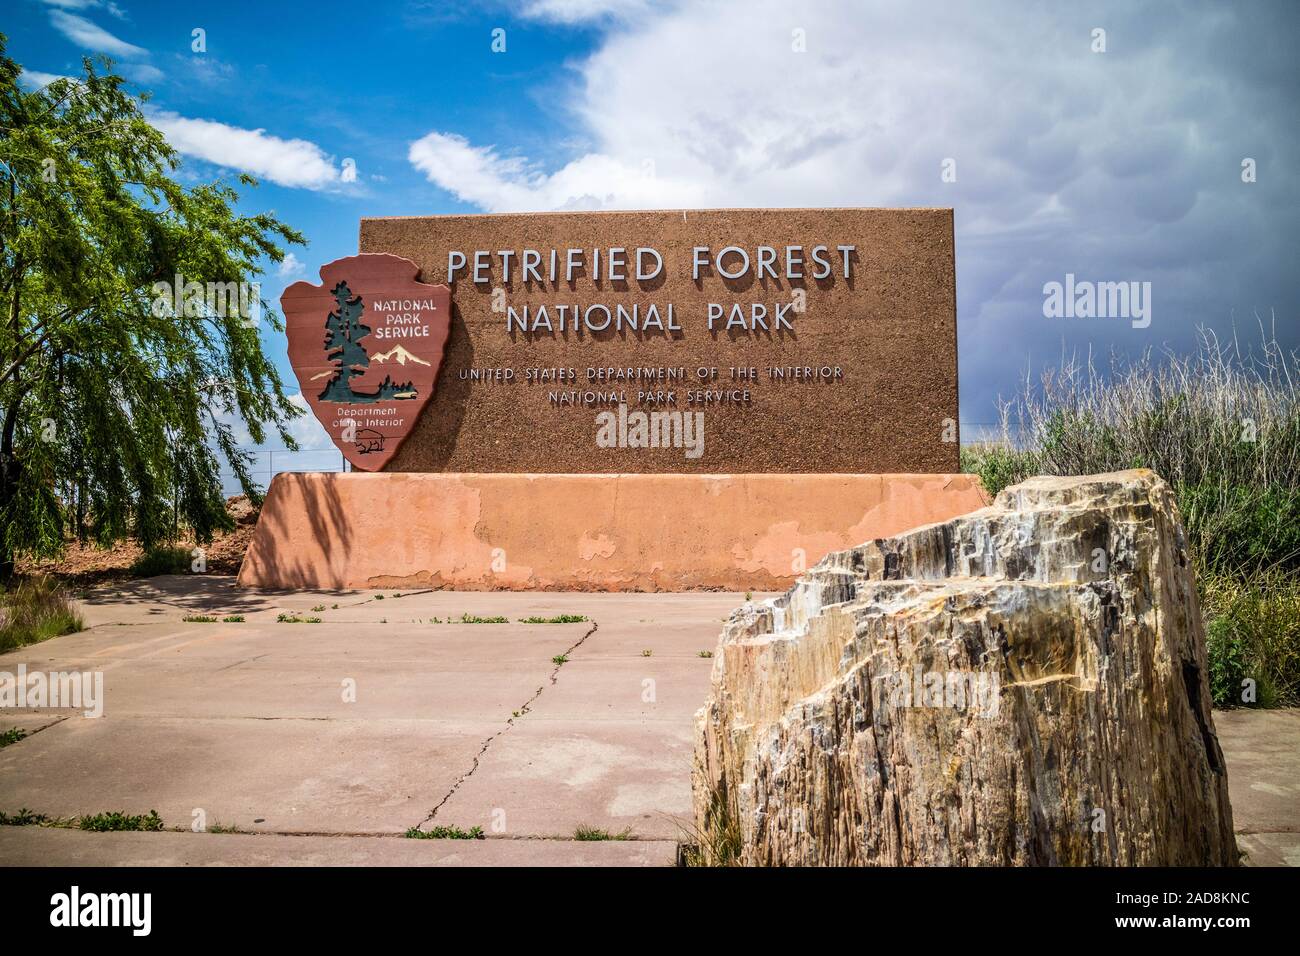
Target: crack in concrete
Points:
(555, 676)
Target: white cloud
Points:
(35, 79)
(579, 11)
(480, 176)
(288, 162)
(1119, 165)
(291, 266)
(142, 73)
(106, 5)
(92, 36)
(306, 429)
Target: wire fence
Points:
(269, 462)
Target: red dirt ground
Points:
(91, 565)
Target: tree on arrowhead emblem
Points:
(343, 334)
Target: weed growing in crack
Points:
(445, 833)
(116, 820)
(591, 834)
(23, 818)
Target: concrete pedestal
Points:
(628, 532)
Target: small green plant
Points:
(23, 818)
(199, 619)
(647, 653)
(296, 619)
(558, 619)
(223, 828)
(11, 736)
(161, 561)
(379, 597)
(749, 595)
(559, 659)
(116, 820)
(445, 833)
(334, 606)
(468, 618)
(706, 653)
(233, 619)
(319, 607)
(592, 834)
(36, 610)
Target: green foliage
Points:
(233, 619)
(1241, 529)
(1227, 662)
(445, 833)
(998, 466)
(588, 834)
(1221, 426)
(199, 619)
(558, 619)
(1253, 632)
(36, 610)
(23, 818)
(468, 618)
(115, 413)
(161, 560)
(116, 820)
(295, 619)
(11, 736)
(559, 659)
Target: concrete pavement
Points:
(381, 717)
(322, 743)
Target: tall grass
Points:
(36, 610)
(717, 839)
(1222, 426)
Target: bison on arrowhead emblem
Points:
(366, 345)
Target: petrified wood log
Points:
(1023, 685)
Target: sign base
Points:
(623, 532)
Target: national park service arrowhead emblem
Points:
(366, 345)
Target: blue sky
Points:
(1115, 165)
